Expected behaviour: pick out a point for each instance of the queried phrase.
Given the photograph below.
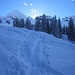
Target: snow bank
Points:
(24, 52)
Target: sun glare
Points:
(33, 16)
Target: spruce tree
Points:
(64, 30)
(22, 23)
(59, 29)
(0, 21)
(28, 24)
(16, 22)
(48, 27)
(44, 27)
(54, 26)
(37, 25)
(71, 32)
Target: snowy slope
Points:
(24, 52)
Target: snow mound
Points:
(24, 52)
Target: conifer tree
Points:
(43, 27)
(64, 30)
(28, 24)
(0, 21)
(22, 23)
(16, 23)
(48, 27)
(71, 31)
(54, 26)
(59, 29)
(38, 25)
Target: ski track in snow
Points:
(34, 53)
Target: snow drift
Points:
(24, 52)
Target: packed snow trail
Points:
(24, 52)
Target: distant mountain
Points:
(65, 20)
(15, 14)
(32, 20)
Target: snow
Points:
(24, 52)
(32, 20)
(65, 21)
(3, 19)
(16, 14)
(65, 37)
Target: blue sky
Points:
(61, 8)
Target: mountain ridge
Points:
(17, 14)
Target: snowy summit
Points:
(16, 14)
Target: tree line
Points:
(49, 25)
(22, 24)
